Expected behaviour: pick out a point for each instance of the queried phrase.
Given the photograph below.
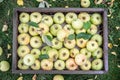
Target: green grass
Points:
(114, 34)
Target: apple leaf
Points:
(87, 25)
(83, 35)
(71, 36)
(49, 37)
(47, 40)
(43, 56)
(33, 24)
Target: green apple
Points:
(70, 17)
(35, 17)
(29, 59)
(80, 59)
(36, 53)
(23, 50)
(81, 42)
(98, 53)
(21, 65)
(93, 29)
(92, 45)
(43, 28)
(70, 64)
(80, 31)
(84, 16)
(36, 42)
(46, 64)
(74, 52)
(69, 43)
(24, 17)
(58, 77)
(77, 24)
(97, 64)
(53, 54)
(86, 66)
(23, 28)
(68, 28)
(59, 65)
(45, 49)
(64, 54)
(1, 51)
(36, 65)
(96, 18)
(4, 66)
(55, 28)
(97, 38)
(85, 3)
(23, 39)
(33, 31)
(85, 52)
(59, 18)
(61, 35)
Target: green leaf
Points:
(33, 24)
(43, 56)
(87, 25)
(83, 35)
(49, 37)
(1, 1)
(71, 36)
(47, 40)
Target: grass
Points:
(7, 6)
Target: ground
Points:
(6, 14)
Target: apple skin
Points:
(36, 42)
(43, 28)
(70, 64)
(4, 66)
(91, 45)
(85, 3)
(74, 52)
(36, 65)
(33, 31)
(96, 19)
(57, 44)
(24, 17)
(97, 38)
(46, 64)
(68, 28)
(59, 18)
(97, 64)
(61, 35)
(69, 43)
(86, 66)
(80, 59)
(64, 54)
(21, 65)
(35, 17)
(81, 42)
(36, 53)
(45, 49)
(92, 30)
(85, 52)
(59, 65)
(70, 17)
(77, 24)
(55, 28)
(23, 28)
(98, 53)
(84, 16)
(80, 31)
(23, 39)
(1, 51)
(53, 54)
(58, 77)
(22, 51)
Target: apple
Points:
(1, 51)
(46, 64)
(36, 42)
(57, 44)
(85, 52)
(68, 28)
(98, 53)
(84, 16)
(45, 49)
(97, 38)
(23, 39)
(91, 45)
(64, 54)
(70, 17)
(22, 51)
(96, 19)
(55, 28)
(36, 65)
(61, 35)
(85, 3)
(86, 66)
(58, 77)
(4, 66)
(69, 43)
(80, 59)
(35, 17)
(24, 17)
(23, 28)
(70, 64)
(59, 18)
(77, 24)
(36, 53)
(74, 52)
(47, 34)
(21, 65)
(92, 30)
(80, 31)
(81, 42)
(59, 65)
(29, 59)
(43, 28)
(53, 54)
(47, 20)
(97, 64)
(33, 31)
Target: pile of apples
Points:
(60, 41)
